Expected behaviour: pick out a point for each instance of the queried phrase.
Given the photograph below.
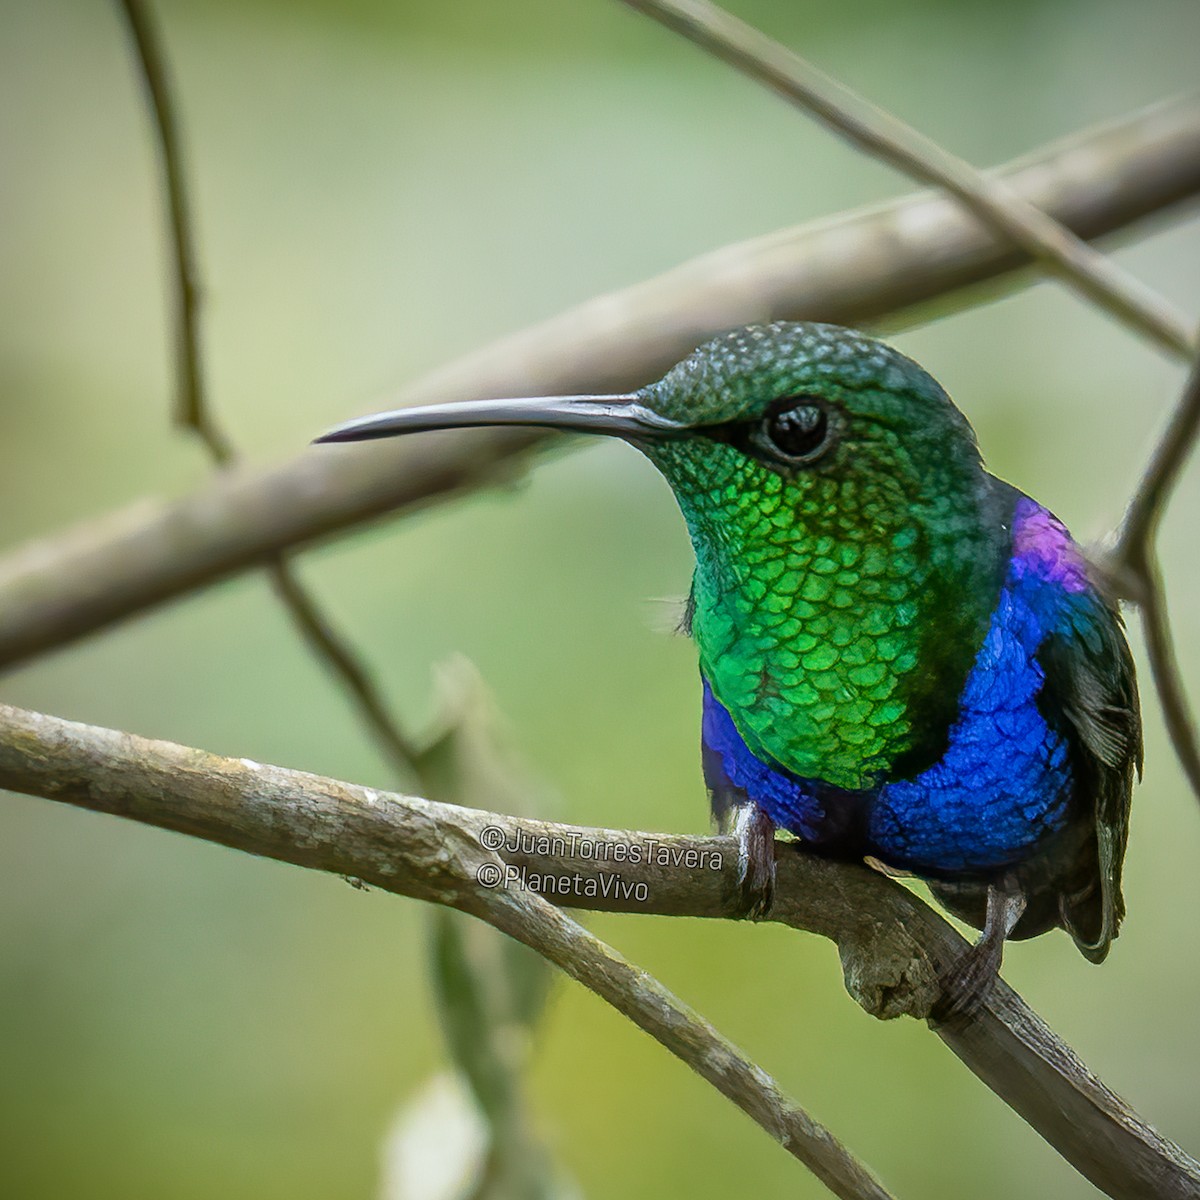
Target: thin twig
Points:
(855, 269)
(194, 412)
(1164, 666)
(1133, 569)
(1139, 526)
(893, 945)
(347, 666)
(884, 136)
(191, 411)
(529, 918)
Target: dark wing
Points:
(1091, 691)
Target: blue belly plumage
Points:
(1005, 778)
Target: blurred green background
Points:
(381, 186)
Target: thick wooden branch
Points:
(414, 847)
(856, 270)
(892, 945)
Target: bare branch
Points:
(529, 918)
(409, 846)
(884, 136)
(855, 270)
(893, 946)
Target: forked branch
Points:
(434, 852)
(1132, 566)
(893, 946)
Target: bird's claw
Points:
(966, 984)
(969, 980)
(756, 861)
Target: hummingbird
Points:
(903, 658)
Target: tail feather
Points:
(1093, 914)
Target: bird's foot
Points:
(968, 981)
(756, 860)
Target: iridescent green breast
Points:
(837, 614)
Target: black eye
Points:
(796, 428)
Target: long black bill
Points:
(618, 416)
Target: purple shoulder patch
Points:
(1042, 547)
